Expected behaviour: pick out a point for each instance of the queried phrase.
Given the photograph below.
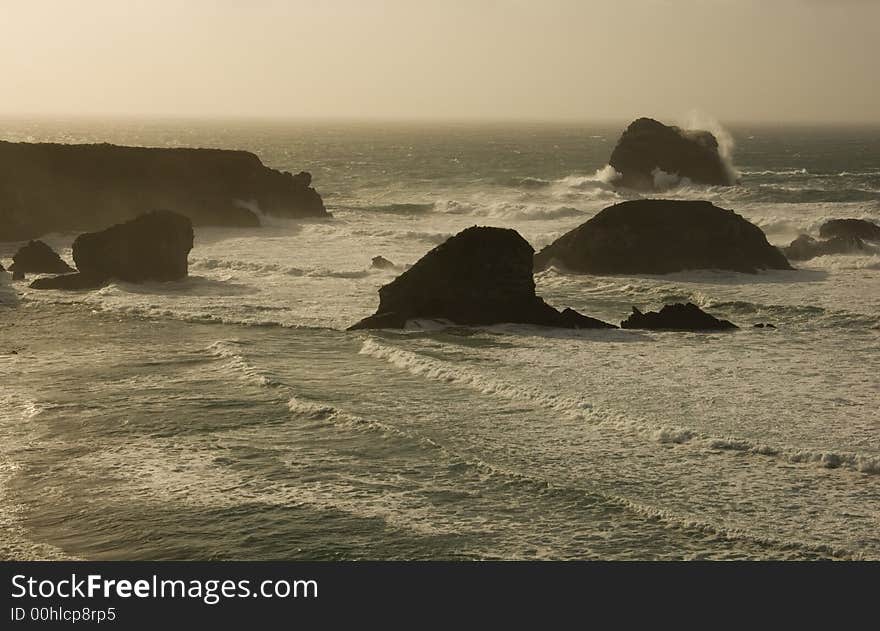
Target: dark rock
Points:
(16, 275)
(380, 262)
(69, 282)
(38, 258)
(677, 317)
(59, 188)
(655, 236)
(806, 247)
(154, 246)
(761, 325)
(648, 145)
(480, 276)
(2, 269)
(853, 228)
(571, 319)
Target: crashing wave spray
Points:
(700, 121)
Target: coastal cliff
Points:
(59, 188)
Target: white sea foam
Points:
(696, 120)
(231, 352)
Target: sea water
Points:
(230, 416)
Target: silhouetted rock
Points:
(677, 317)
(806, 247)
(380, 262)
(480, 276)
(2, 269)
(648, 145)
(854, 228)
(762, 325)
(153, 246)
(58, 188)
(655, 236)
(38, 258)
(69, 281)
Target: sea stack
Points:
(648, 150)
(480, 276)
(151, 247)
(49, 187)
(38, 258)
(656, 236)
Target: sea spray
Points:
(700, 121)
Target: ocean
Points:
(230, 416)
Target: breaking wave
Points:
(580, 408)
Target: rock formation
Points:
(38, 258)
(648, 146)
(60, 188)
(853, 228)
(806, 247)
(380, 262)
(151, 247)
(655, 236)
(677, 317)
(480, 276)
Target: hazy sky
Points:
(773, 60)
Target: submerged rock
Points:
(380, 262)
(806, 247)
(480, 276)
(655, 236)
(47, 187)
(676, 317)
(850, 228)
(648, 147)
(38, 258)
(69, 282)
(153, 246)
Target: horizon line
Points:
(403, 120)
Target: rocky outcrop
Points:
(60, 188)
(38, 258)
(677, 317)
(648, 146)
(69, 282)
(151, 247)
(806, 247)
(655, 236)
(850, 228)
(154, 246)
(380, 262)
(480, 276)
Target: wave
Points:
(231, 352)
(782, 172)
(801, 195)
(604, 179)
(504, 209)
(416, 235)
(579, 408)
(529, 183)
(401, 209)
(275, 268)
(541, 486)
(450, 373)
